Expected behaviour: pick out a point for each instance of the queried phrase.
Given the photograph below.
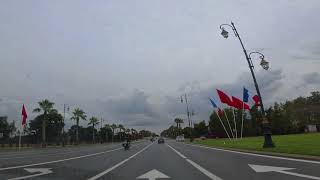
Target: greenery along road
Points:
(303, 144)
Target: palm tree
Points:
(46, 107)
(107, 126)
(178, 121)
(121, 128)
(93, 121)
(113, 127)
(78, 114)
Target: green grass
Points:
(303, 144)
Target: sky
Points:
(130, 61)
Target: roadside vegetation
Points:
(303, 144)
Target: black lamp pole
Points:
(265, 123)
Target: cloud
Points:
(311, 78)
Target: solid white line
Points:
(61, 160)
(117, 165)
(30, 176)
(258, 155)
(201, 169)
(299, 175)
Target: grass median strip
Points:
(302, 144)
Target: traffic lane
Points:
(230, 165)
(159, 157)
(44, 151)
(81, 168)
(41, 157)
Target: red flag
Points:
(256, 100)
(239, 104)
(24, 116)
(220, 112)
(224, 98)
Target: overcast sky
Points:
(129, 61)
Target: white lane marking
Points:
(43, 171)
(153, 175)
(68, 150)
(117, 165)
(61, 160)
(258, 155)
(283, 170)
(201, 169)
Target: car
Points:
(160, 140)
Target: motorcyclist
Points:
(127, 143)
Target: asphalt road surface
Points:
(146, 160)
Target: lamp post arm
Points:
(250, 66)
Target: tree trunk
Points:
(77, 132)
(92, 134)
(44, 131)
(112, 134)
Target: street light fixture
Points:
(265, 65)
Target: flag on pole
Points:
(237, 103)
(219, 111)
(24, 116)
(224, 98)
(245, 95)
(256, 100)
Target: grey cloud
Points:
(311, 78)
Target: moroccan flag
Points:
(24, 116)
(220, 112)
(224, 98)
(237, 103)
(256, 100)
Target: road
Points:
(146, 160)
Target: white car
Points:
(180, 138)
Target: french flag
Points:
(216, 108)
(246, 97)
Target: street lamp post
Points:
(188, 116)
(265, 65)
(64, 117)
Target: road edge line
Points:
(255, 154)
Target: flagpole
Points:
(225, 114)
(242, 119)
(20, 136)
(223, 126)
(235, 124)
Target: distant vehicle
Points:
(152, 139)
(160, 140)
(180, 138)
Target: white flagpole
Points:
(242, 119)
(20, 137)
(223, 126)
(235, 124)
(228, 123)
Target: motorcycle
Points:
(126, 145)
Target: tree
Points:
(54, 125)
(200, 129)
(93, 121)
(5, 127)
(121, 129)
(78, 114)
(46, 107)
(113, 127)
